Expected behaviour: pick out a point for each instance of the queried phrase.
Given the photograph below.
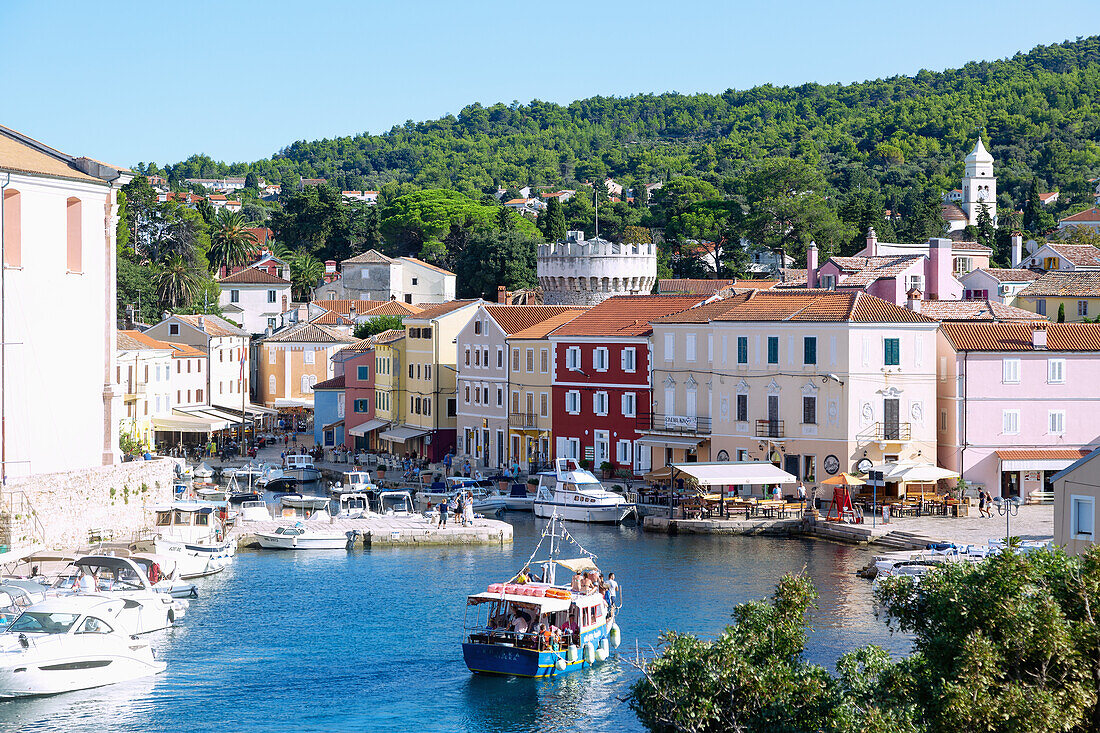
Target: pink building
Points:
(1017, 402)
(889, 271)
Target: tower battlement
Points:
(587, 272)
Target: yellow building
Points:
(293, 360)
(430, 362)
(1076, 294)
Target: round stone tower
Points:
(588, 272)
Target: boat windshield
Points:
(44, 623)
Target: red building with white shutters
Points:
(601, 380)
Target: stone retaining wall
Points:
(68, 505)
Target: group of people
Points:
(592, 581)
(985, 499)
(460, 506)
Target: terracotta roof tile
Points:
(626, 315)
(1064, 284)
(310, 333)
(1085, 255)
(253, 276)
(696, 286)
(970, 247)
(827, 306)
(385, 337)
(343, 307)
(1002, 274)
(951, 212)
(334, 383)
(371, 256)
(1083, 216)
(1016, 336)
(19, 156)
(435, 310)
(975, 310)
(428, 265)
(332, 318)
(395, 308)
(515, 318)
(862, 271)
(212, 325)
(543, 329)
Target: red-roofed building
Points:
(601, 383)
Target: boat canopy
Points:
(578, 564)
(542, 603)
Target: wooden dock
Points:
(391, 531)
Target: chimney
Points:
(1017, 249)
(939, 267)
(871, 250)
(502, 294)
(913, 300)
(1039, 335)
(351, 311)
(330, 267)
(811, 265)
(202, 322)
(284, 303)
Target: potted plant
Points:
(585, 464)
(608, 469)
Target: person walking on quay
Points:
(468, 515)
(983, 504)
(442, 514)
(447, 463)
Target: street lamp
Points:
(1007, 508)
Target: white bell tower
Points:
(979, 185)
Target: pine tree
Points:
(1033, 209)
(1061, 313)
(553, 221)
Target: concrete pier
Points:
(723, 526)
(391, 531)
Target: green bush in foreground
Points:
(1010, 644)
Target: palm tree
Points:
(306, 272)
(231, 242)
(175, 281)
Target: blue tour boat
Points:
(532, 627)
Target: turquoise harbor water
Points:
(370, 639)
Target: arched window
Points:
(13, 247)
(73, 230)
(271, 384)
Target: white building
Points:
(226, 346)
(254, 298)
(580, 272)
(143, 372)
(374, 276)
(59, 400)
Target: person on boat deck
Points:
(546, 637)
(520, 624)
(576, 584)
(86, 582)
(613, 586)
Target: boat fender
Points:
(615, 636)
(171, 615)
(601, 653)
(560, 665)
(572, 653)
(589, 652)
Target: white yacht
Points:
(254, 510)
(576, 495)
(300, 537)
(518, 499)
(194, 534)
(71, 643)
(300, 466)
(107, 576)
(202, 471)
(355, 506)
(164, 575)
(396, 503)
(296, 506)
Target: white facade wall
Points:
(424, 284)
(60, 331)
(256, 304)
(188, 382)
(225, 370)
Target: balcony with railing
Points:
(769, 429)
(659, 422)
(886, 432)
(525, 420)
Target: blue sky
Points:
(153, 80)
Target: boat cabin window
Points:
(202, 520)
(182, 519)
(44, 623)
(164, 519)
(93, 625)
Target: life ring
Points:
(589, 652)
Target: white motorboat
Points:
(163, 574)
(300, 537)
(300, 466)
(202, 471)
(518, 499)
(355, 506)
(210, 492)
(354, 482)
(395, 504)
(296, 506)
(18, 595)
(247, 474)
(107, 576)
(71, 643)
(194, 534)
(577, 496)
(254, 510)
